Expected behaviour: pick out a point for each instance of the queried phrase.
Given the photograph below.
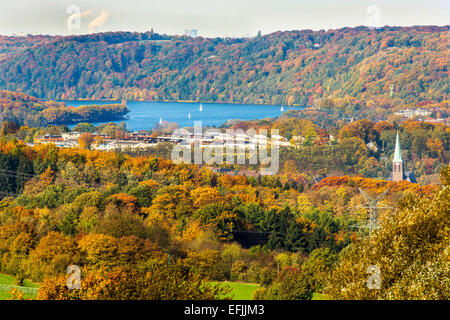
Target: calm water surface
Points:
(144, 115)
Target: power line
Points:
(5, 172)
(8, 194)
(373, 206)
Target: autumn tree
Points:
(410, 250)
(291, 284)
(154, 281)
(52, 255)
(85, 140)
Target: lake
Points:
(144, 115)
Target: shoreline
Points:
(184, 101)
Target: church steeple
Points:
(397, 163)
(398, 151)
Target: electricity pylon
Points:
(372, 204)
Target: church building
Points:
(398, 174)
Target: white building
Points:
(70, 135)
(410, 113)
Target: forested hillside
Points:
(20, 109)
(390, 66)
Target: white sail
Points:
(282, 109)
(201, 108)
(189, 115)
(160, 120)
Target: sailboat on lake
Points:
(189, 115)
(160, 120)
(282, 109)
(201, 108)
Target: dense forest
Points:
(22, 109)
(389, 66)
(145, 228)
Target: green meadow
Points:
(241, 290)
(9, 281)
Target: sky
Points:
(213, 18)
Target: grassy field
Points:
(9, 280)
(319, 296)
(244, 291)
(241, 290)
